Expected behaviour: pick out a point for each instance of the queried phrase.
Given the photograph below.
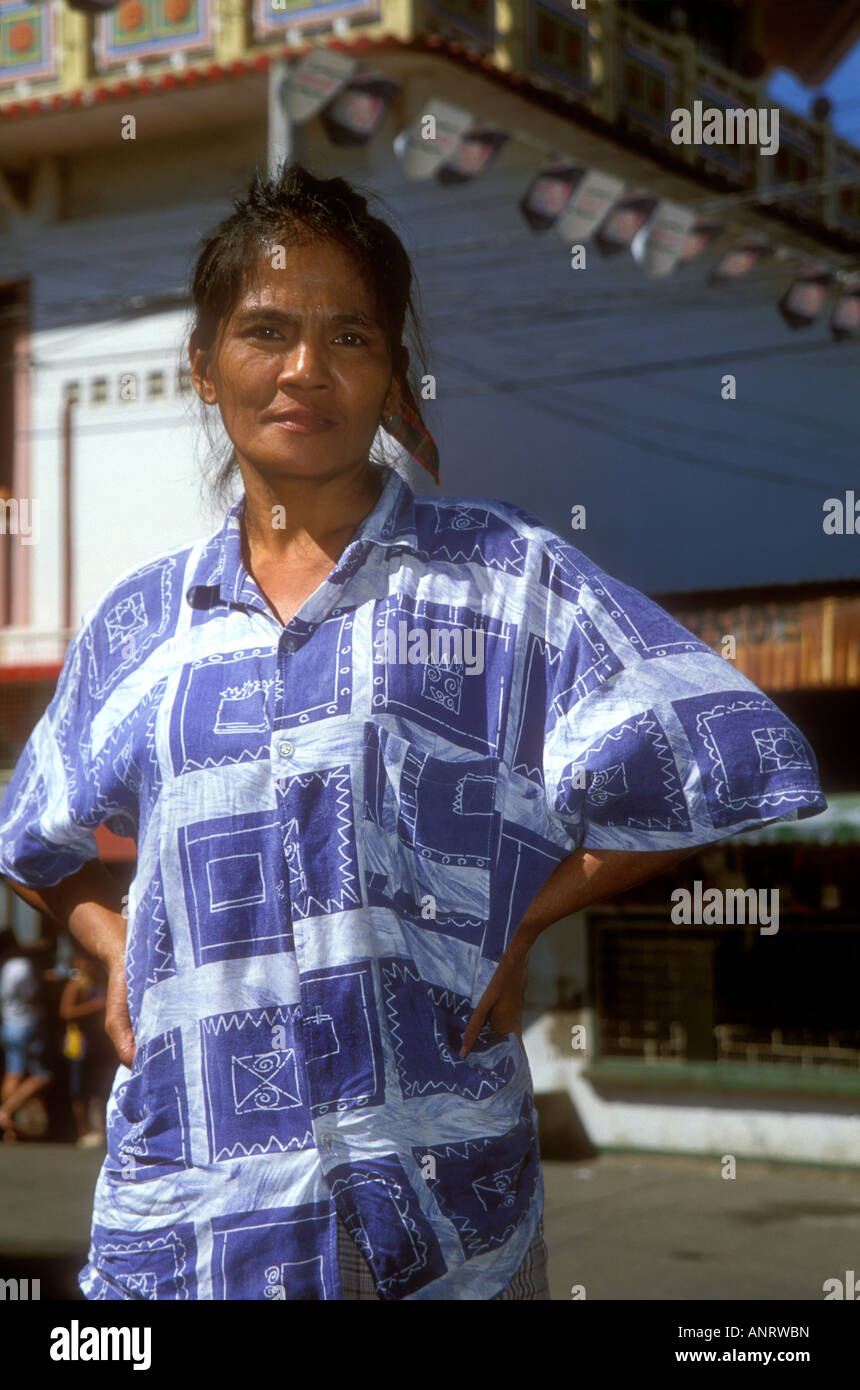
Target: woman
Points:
(354, 732)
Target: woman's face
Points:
(304, 338)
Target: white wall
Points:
(137, 482)
(703, 1122)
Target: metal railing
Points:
(735, 1043)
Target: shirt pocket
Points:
(426, 1023)
(432, 828)
(147, 1114)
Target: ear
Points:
(202, 381)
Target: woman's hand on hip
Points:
(501, 1003)
(117, 1019)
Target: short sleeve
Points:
(49, 810)
(653, 741)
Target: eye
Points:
(361, 341)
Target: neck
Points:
(302, 517)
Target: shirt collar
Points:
(219, 568)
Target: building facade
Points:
(124, 131)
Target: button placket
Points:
(283, 750)
(284, 747)
(328, 602)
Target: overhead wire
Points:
(639, 368)
(604, 425)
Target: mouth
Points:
(302, 422)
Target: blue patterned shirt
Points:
(340, 823)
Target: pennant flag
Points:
(621, 224)
(698, 239)
(313, 81)
(423, 152)
(549, 192)
(659, 245)
(845, 319)
(592, 199)
(358, 110)
(740, 259)
(804, 299)
(476, 150)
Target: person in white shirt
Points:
(22, 1025)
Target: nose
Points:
(305, 362)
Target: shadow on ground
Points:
(57, 1274)
(561, 1131)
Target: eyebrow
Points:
(283, 316)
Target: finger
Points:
(117, 1019)
(123, 1048)
(119, 1030)
(475, 1024)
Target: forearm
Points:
(88, 903)
(586, 877)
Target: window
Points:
(546, 35)
(727, 994)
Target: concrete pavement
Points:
(624, 1226)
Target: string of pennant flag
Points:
(580, 204)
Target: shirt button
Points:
(289, 644)
(286, 749)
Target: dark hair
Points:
(295, 207)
